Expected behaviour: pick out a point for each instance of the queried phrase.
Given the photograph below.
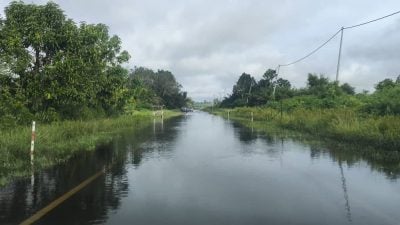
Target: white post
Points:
(154, 125)
(33, 140)
(252, 117)
(32, 175)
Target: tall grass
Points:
(57, 142)
(381, 155)
(344, 125)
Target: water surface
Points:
(202, 169)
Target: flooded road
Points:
(203, 169)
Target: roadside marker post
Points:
(252, 117)
(33, 140)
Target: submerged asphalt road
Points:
(202, 169)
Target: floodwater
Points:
(203, 169)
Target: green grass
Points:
(57, 142)
(344, 125)
(346, 135)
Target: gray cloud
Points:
(208, 44)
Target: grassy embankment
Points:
(344, 125)
(58, 141)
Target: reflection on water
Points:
(26, 196)
(201, 169)
(345, 194)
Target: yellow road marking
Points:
(35, 217)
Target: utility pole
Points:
(340, 55)
(277, 70)
(248, 95)
(277, 74)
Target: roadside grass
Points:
(59, 141)
(344, 125)
(378, 148)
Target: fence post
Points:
(228, 113)
(33, 140)
(252, 117)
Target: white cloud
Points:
(208, 44)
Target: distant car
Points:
(186, 110)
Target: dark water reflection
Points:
(202, 169)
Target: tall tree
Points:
(61, 66)
(265, 87)
(283, 89)
(317, 85)
(243, 86)
(163, 86)
(348, 89)
(385, 84)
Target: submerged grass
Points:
(59, 141)
(344, 125)
(387, 162)
(343, 134)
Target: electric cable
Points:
(333, 36)
(371, 21)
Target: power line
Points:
(371, 21)
(339, 31)
(312, 52)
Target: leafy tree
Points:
(385, 84)
(283, 89)
(13, 106)
(269, 76)
(317, 85)
(242, 91)
(243, 86)
(384, 102)
(322, 87)
(348, 89)
(159, 87)
(265, 88)
(61, 67)
(247, 91)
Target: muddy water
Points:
(202, 169)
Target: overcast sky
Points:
(208, 44)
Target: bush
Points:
(48, 116)
(342, 124)
(384, 102)
(314, 102)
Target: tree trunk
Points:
(37, 61)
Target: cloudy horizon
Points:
(207, 45)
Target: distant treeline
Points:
(319, 92)
(149, 88)
(52, 68)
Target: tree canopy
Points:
(159, 88)
(320, 92)
(247, 91)
(53, 68)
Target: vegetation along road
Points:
(112, 147)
